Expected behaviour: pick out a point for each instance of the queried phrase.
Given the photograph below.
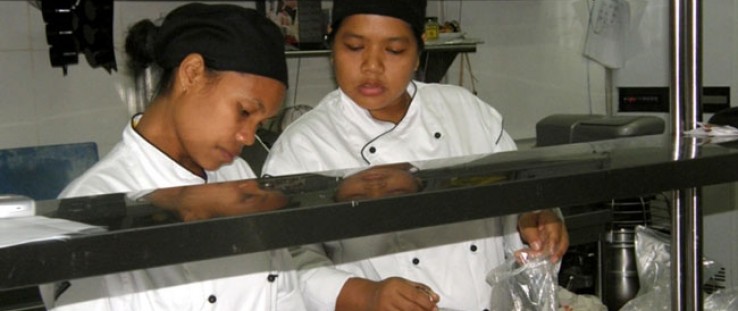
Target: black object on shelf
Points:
(76, 27)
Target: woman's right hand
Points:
(395, 293)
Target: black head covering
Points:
(410, 11)
(728, 116)
(229, 37)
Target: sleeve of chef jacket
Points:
(292, 154)
(320, 282)
(513, 241)
(504, 142)
(281, 161)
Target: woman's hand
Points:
(389, 294)
(545, 233)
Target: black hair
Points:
(411, 12)
(141, 55)
(331, 36)
(228, 37)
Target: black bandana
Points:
(229, 37)
(410, 11)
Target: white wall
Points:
(529, 66)
(40, 105)
(648, 64)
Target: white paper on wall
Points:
(606, 34)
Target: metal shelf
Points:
(435, 59)
(462, 46)
(566, 175)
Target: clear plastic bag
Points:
(654, 271)
(572, 302)
(653, 253)
(524, 284)
(722, 300)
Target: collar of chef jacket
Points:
(361, 130)
(333, 134)
(163, 171)
(441, 122)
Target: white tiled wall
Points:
(529, 66)
(17, 114)
(531, 63)
(40, 105)
(647, 65)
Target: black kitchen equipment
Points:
(76, 27)
(614, 254)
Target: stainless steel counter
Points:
(146, 229)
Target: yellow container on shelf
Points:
(432, 27)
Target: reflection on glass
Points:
(379, 181)
(217, 200)
(405, 178)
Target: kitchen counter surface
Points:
(168, 226)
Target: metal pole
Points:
(686, 251)
(692, 114)
(692, 235)
(677, 98)
(608, 92)
(693, 86)
(677, 67)
(678, 288)
(694, 250)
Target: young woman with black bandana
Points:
(380, 115)
(223, 72)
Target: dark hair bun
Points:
(140, 45)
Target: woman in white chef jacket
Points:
(379, 115)
(223, 72)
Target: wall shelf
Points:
(435, 59)
(460, 46)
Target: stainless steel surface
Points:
(600, 276)
(693, 114)
(608, 93)
(619, 269)
(693, 248)
(678, 61)
(678, 261)
(693, 68)
(144, 90)
(685, 112)
(435, 59)
(618, 255)
(152, 233)
(465, 46)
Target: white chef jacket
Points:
(442, 121)
(239, 282)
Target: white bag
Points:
(527, 286)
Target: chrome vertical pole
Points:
(676, 20)
(692, 114)
(693, 81)
(677, 252)
(686, 251)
